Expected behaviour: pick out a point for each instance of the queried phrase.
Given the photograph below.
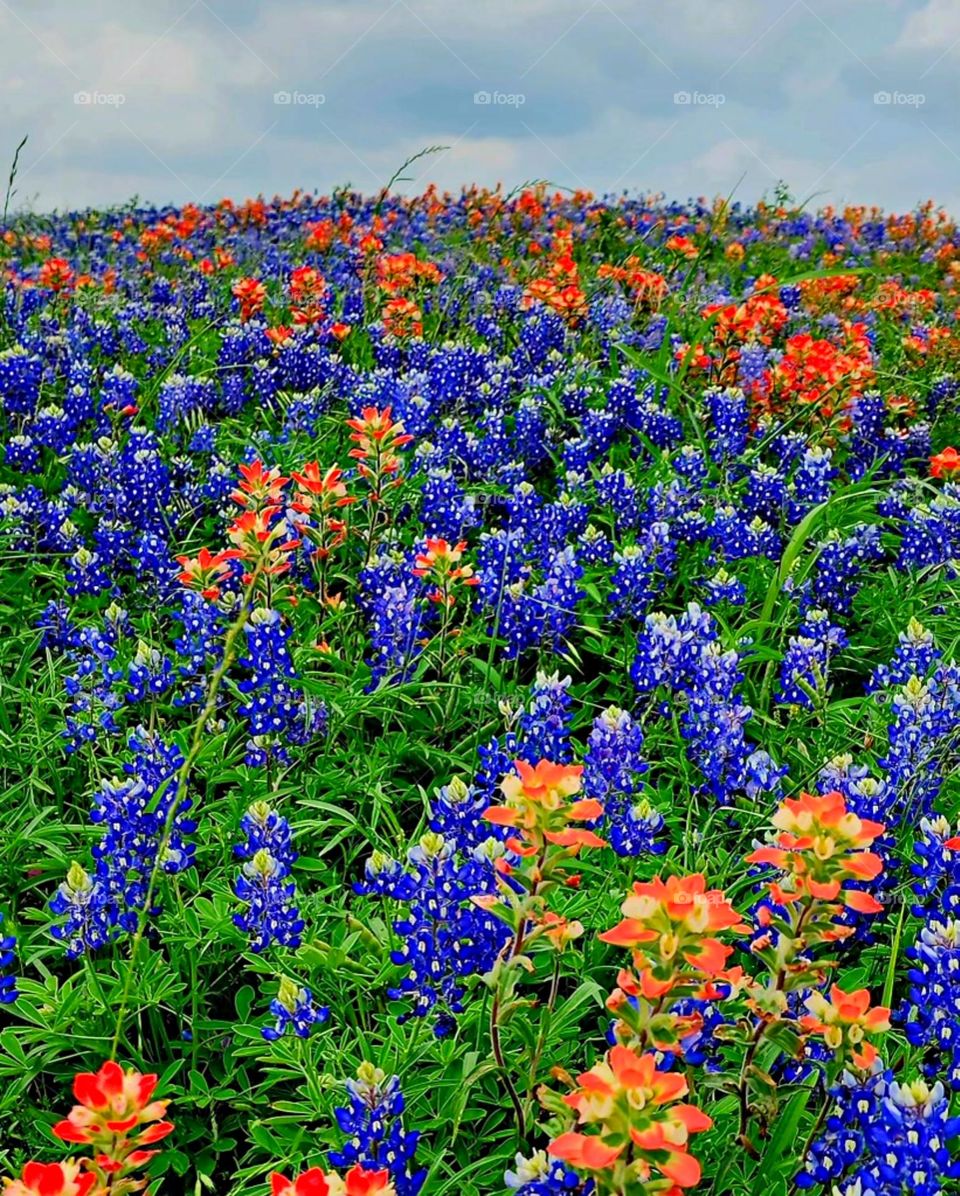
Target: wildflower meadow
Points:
(480, 709)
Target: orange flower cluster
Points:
(820, 847)
(757, 319)
(402, 317)
(537, 806)
(945, 464)
(320, 495)
(116, 1115)
(357, 1182)
(672, 922)
(844, 1020)
(307, 290)
(560, 289)
(398, 273)
(207, 570)
(646, 286)
(816, 372)
(440, 562)
(643, 1129)
(261, 533)
(252, 295)
(112, 1104)
(378, 437)
(52, 1179)
(56, 274)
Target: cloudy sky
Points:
(177, 100)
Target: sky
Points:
(846, 101)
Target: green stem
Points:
(183, 776)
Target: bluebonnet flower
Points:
(931, 1015)
(594, 547)
(739, 535)
(401, 620)
(930, 534)
(93, 689)
(294, 1010)
(274, 705)
(728, 416)
(690, 464)
(199, 646)
(90, 914)
(914, 657)
(701, 680)
(835, 579)
(22, 454)
(272, 915)
(21, 373)
(805, 669)
(8, 983)
(613, 766)
(86, 575)
(812, 481)
(149, 674)
(446, 937)
(373, 1119)
(616, 490)
(766, 493)
(632, 584)
(723, 587)
(924, 741)
(544, 724)
(541, 1175)
(54, 622)
(884, 1138)
(139, 834)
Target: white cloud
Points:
(936, 26)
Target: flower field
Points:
(480, 710)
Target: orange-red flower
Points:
(51, 1179)
(945, 464)
(440, 561)
(252, 294)
(819, 848)
(641, 1126)
(844, 1020)
(113, 1101)
(537, 806)
(666, 921)
(116, 1115)
(377, 436)
(56, 274)
(258, 486)
(357, 1182)
(206, 570)
(402, 318)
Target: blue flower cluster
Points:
(294, 1009)
(146, 831)
(681, 668)
(373, 1119)
(264, 884)
(884, 1137)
